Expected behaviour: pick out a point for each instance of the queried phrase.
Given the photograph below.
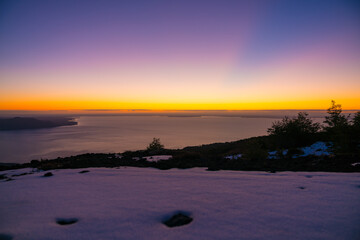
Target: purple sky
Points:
(179, 54)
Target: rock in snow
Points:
(66, 221)
(177, 220)
(48, 174)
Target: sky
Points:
(179, 55)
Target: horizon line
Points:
(164, 110)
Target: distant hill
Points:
(20, 123)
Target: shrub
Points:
(340, 131)
(255, 151)
(355, 133)
(336, 120)
(294, 151)
(155, 145)
(356, 121)
(296, 131)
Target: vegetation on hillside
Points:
(293, 132)
(155, 146)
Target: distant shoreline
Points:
(26, 123)
(314, 113)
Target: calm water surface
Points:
(120, 133)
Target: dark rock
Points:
(3, 176)
(18, 175)
(301, 188)
(9, 179)
(177, 220)
(5, 236)
(85, 171)
(49, 174)
(66, 221)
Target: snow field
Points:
(131, 203)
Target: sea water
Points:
(104, 134)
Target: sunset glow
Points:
(183, 55)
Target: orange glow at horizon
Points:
(203, 89)
(347, 104)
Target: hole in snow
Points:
(85, 171)
(301, 188)
(66, 221)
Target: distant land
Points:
(22, 123)
(314, 113)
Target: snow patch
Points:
(316, 149)
(273, 154)
(156, 158)
(234, 157)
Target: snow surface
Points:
(273, 154)
(234, 157)
(156, 158)
(131, 203)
